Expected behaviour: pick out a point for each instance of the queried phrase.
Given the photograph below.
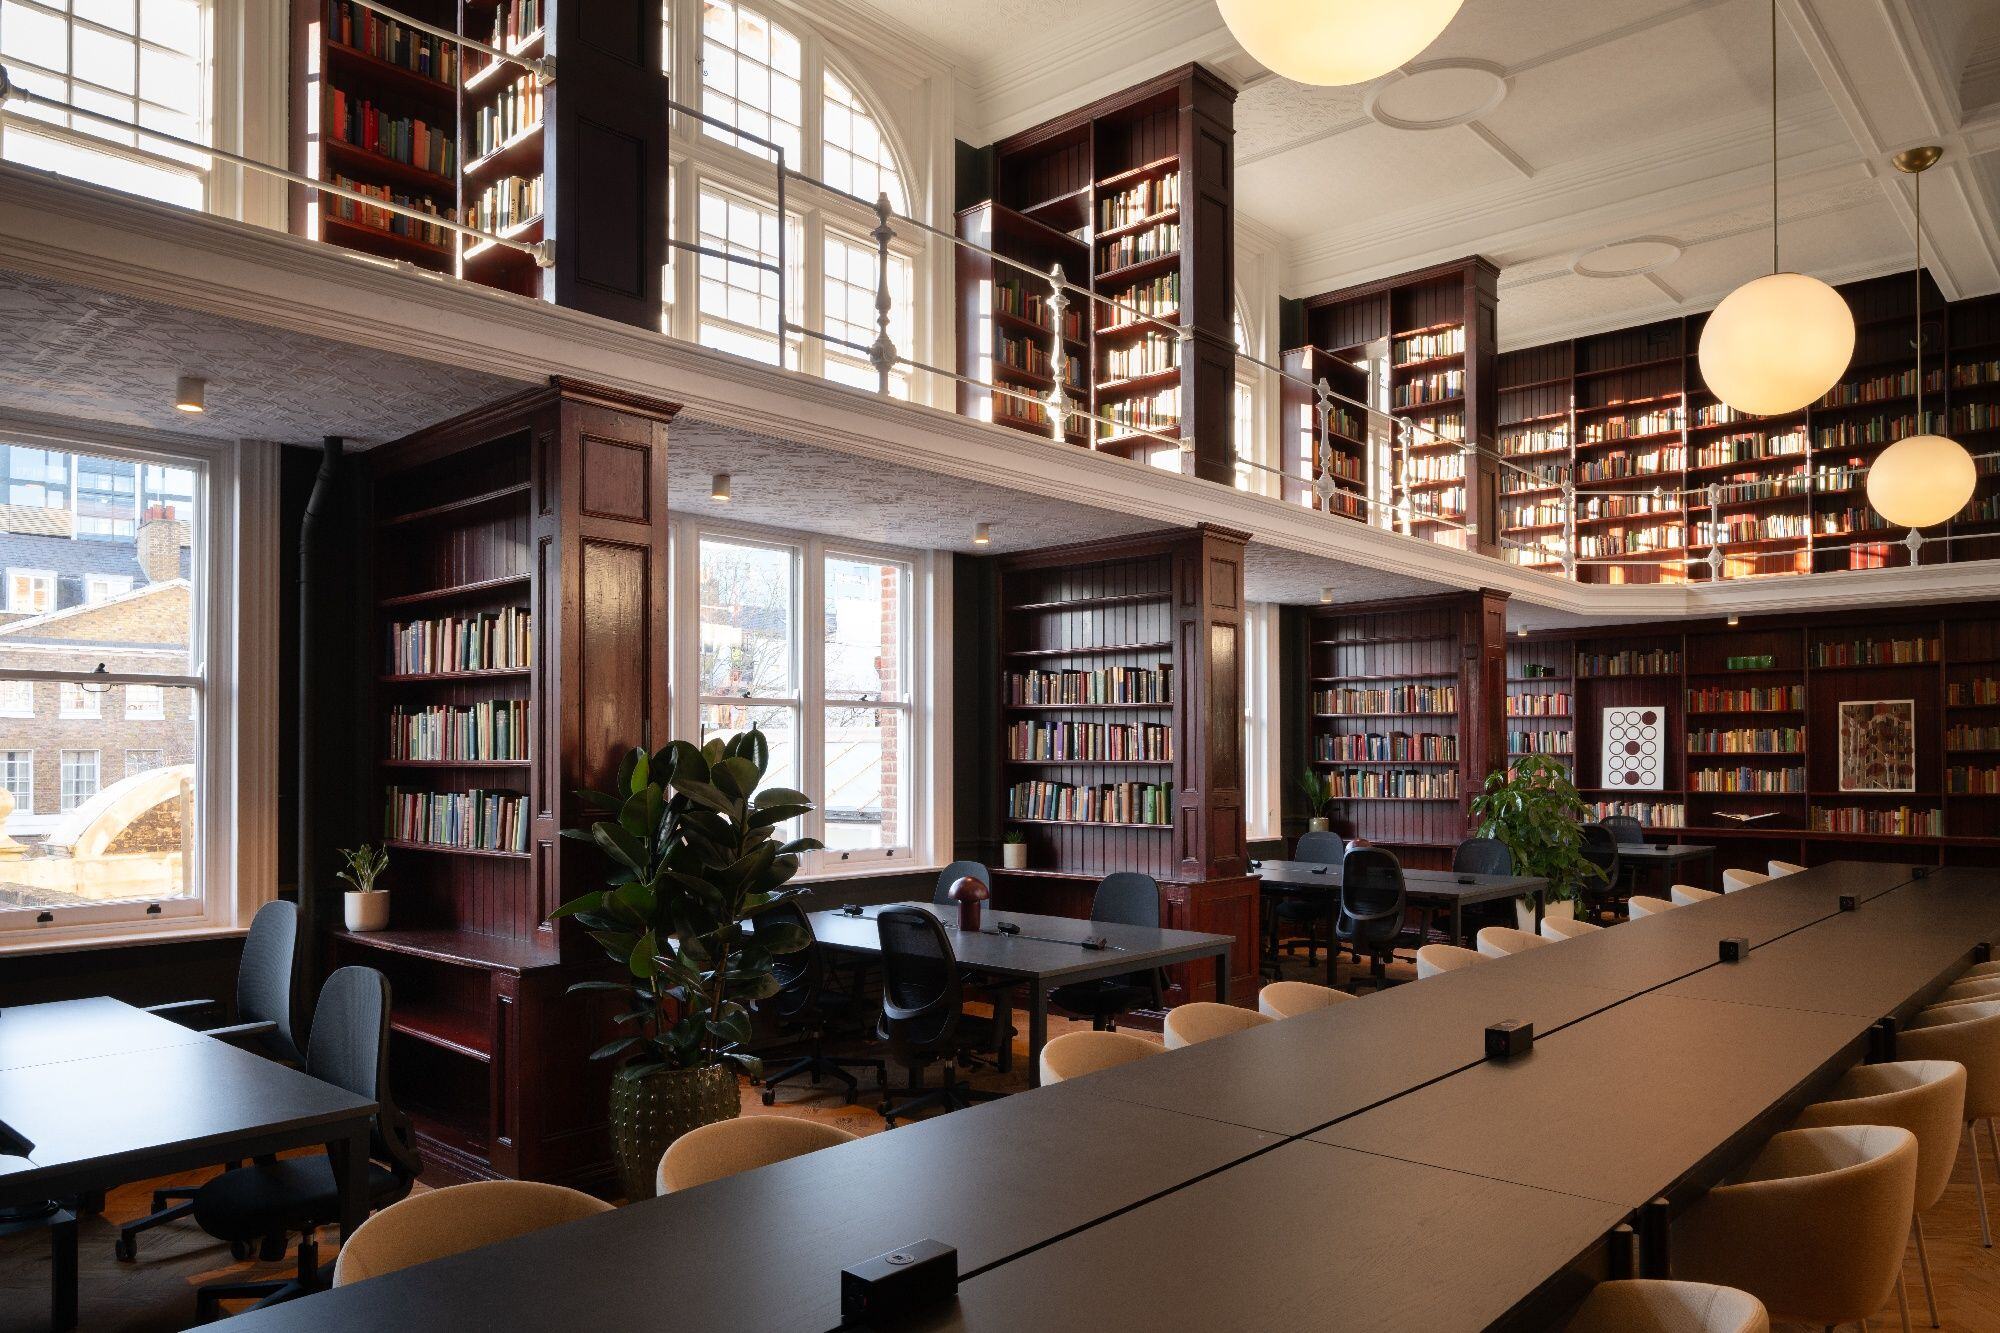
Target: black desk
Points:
(1434, 888)
(1302, 1237)
(148, 1104)
(763, 1250)
(1047, 953)
(1651, 856)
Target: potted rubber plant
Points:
(364, 906)
(693, 840)
(1534, 808)
(1319, 793)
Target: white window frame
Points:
(44, 580)
(153, 711)
(103, 587)
(21, 807)
(63, 759)
(17, 710)
(75, 702)
(158, 754)
(1262, 782)
(232, 656)
(928, 779)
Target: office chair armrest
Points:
(175, 1009)
(236, 1030)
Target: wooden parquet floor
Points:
(156, 1294)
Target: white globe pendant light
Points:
(1333, 42)
(1777, 343)
(1922, 480)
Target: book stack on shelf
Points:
(501, 112)
(1974, 398)
(1535, 425)
(1541, 700)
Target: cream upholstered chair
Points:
(1926, 1097)
(1074, 1054)
(1814, 1228)
(1288, 999)
(728, 1147)
(1969, 1034)
(1979, 970)
(1203, 1019)
(1687, 895)
(1732, 880)
(446, 1221)
(1964, 989)
(1779, 869)
(1434, 959)
(1499, 941)
(1644, 1305)
(1640, 905)
(1566, 927)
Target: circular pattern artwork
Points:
(1635, 748)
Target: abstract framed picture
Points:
(1878, 745)
(1634, 747)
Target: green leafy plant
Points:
(1318, 789)
(1015, 835)
(1535, 810)
(364, 865)
(695, 857)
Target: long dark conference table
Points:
(95, 1093)
(1362, 1167)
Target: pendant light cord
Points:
(1920, 303)
(1774, 136)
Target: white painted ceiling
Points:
(1620, 119)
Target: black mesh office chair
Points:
(1483, 856)
(263, 1023)
(1305, 913)
(349, 1048)
(1599, 893)
(922, 1011)
(1628, 831)
(1126, 898)
(1372, 905)
(807, 1003)
(952, 874)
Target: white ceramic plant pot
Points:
(367, 911)
(1014, 855)
(1524, 912)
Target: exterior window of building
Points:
(17, 698)
(143, 761)
(79, 777)
(103, 587)
(37, 478)
(166, 492)
(17, 778)
(145, 701)
(31, 591)
(78, 702)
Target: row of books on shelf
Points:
(1444, 428)
(516, 109)
(356, 25)
(1532, 514)
(1960, 780)
(1158, 296)
(1627, 506)
(1902, 822)
(1744, 487)
(508, 203)
(1629, 662)
(1728, 449)
(1011, 297)
(483, 641)
(1556, 741)
(1427, 346)
(1969, 374)
(1759, 780)
(414, 142)
(1986, 509)
(1974, 693)
(1747, 740)
(1145, 355)
(1876, 652)
(1750, 528)
(1537, 703)
(1393, 784)
(1539, 479)
(1444, 504)
(1632, 541)
(381, 219)
(1139, 247)
(1031, 414)
(476, 820)
(1424, 468)
(1390, 699)
(1435, 387)
(1034, 358)
(1875, 430)
(1138, 202)
(1839, 522)
(514, 21)
(1879, 388)
(1533, 440)
(1149, 742)
(1718, 414)
(1650, 463)
(1757, 699)
(1967, 737)
(1345, 466)
(1106, 803)
(492, 729)
(1603, 430)
(1105, 685)
(1653, 814)
(1975, 416)
(1159, 411)
(1395, 747)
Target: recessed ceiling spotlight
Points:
(190, 394)
(983, 535)
(1521, 633)
(718, 488)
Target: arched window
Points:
(752, 72)
(855, 156)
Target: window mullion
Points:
(812, 683)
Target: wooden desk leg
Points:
(1222, 970)
(62, 1271)
(1038, 1032)
(350, 1172)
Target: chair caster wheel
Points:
(770, 1097)
(125, 1249)
(240, 1250)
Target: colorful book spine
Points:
(488, 641)
(476, 820)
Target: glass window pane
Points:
(781, 732)
(867, 766)
(855, 156)
(747, 640)
(749, 78)
(867, 614)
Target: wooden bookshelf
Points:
(1403, 719)
(1131, 195)
(551, 505)
(1626, 411)
(1428, 342)
(1118, 672)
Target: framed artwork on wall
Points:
(1635, 747)
(1878, 745)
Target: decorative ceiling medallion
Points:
(1437, 95)
(1627, 259)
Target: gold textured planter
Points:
(650, 1111)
